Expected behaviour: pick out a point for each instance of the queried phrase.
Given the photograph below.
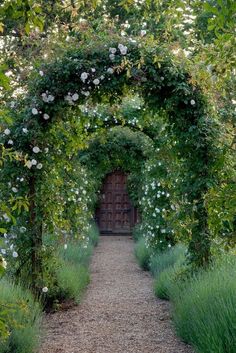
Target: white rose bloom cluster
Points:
(84, 76)
(155, 204)
(71, 98)
(123, 49)
(85, 93)
(33, 162)
(8, 249)
(47, 97)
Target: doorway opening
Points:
(115, 215)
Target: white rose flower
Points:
(68, 98)
(65, 246)
(46, 116)
(143, 32)
(39, 166)
(15, 254)
(36, 149)
(46, 149)
(34, 162)
(34, 111)
(93, 69)
(123, 49)
(10, 142)
(112, 57)
(192, 102)
(85, 93)
(45, 289)
(14, 189)
(110, 70)
(96, 81)
(45, 97)
(84, 76)
(51, 98)
(25, 130)
(75, 97)
(112, 50)
(7, 132)
(41, 73)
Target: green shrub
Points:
(164, 282)
(137, 233)
(66, 271)
(94, 235)
(20, 314)
(142, 254)
(205, 309)
(76, 253)
(72, 280)
(163, 260)
(72, 274)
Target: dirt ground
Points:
(119, 312)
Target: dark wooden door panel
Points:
(115, 213)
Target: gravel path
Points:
(119, 313)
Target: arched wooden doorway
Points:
(115, 214)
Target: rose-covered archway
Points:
(104, 71)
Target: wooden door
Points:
(115, 214)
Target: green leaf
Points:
(27, 28)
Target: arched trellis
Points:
(104, 71)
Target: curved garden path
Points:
(119, 313)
